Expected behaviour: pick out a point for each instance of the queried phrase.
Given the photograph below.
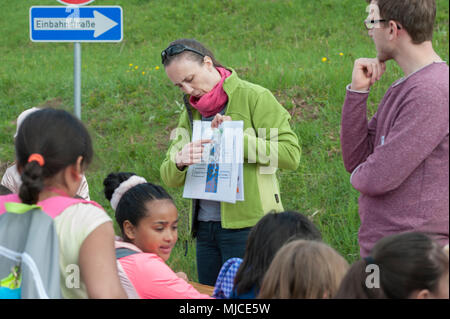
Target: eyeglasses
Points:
(370, 24)
(176, 49)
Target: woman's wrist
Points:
(178, 162)
(181, 167)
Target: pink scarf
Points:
(212, 102)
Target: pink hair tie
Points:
(38, 158)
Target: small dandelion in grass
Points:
(156, 67)
(324, 59)
(136, 67)
(131, 64)
(341, 54)
(143, 73)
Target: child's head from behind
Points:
(265, 239)
(22, 116)
(411, 265)
(145, 212)
(304, 269)
(53, 148)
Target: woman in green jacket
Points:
(216, 93)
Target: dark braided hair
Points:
(60, 138)
(132, 204)
(4, 190)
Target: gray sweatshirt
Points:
(399, 161)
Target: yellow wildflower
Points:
(324, 59)
(136, 67)
(156, 67)
(131, 64)
(143, 73)
(341, 54)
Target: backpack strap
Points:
(11, 198)
(55, 205)
(52, 206)
(124, 252)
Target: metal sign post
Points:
(77, 79)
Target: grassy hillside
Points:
(302, 50)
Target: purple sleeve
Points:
(357, 136)
(420, 126)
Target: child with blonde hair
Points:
(304, 269)
(242, 278)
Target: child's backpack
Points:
(29, 249)
(127, 285)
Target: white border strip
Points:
(85, 41)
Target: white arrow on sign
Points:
(99, 23)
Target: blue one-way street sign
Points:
(76, 24)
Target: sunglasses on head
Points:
(176, 49)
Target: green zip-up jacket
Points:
(258, 109)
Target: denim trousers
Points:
(215, 245)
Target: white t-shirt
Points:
(73, 226)
(11, 180)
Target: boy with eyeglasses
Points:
(399, 160)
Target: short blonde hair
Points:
(304, 269)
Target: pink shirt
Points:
(153, 279)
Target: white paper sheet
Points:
(216, 177)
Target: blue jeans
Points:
(215, 245)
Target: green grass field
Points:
(130, 106)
